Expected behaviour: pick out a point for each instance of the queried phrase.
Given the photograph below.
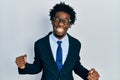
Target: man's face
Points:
(61, 23)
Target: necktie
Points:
(59, 55)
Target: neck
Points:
(59, 36)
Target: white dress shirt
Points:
(65, 46)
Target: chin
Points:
(59, 35)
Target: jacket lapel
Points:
(49, 51)
(70, 54)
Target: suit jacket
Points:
(44, 61)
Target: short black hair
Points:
(65, 8)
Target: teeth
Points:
(60, 29)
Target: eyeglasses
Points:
(64, 21)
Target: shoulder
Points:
(71, 38)
(43, 40)
(74, 40)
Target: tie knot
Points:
(59, 42)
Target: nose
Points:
(60, 23)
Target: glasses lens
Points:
(64, 21)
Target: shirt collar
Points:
(65, 38)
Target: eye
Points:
(57, 19)
(64, 21)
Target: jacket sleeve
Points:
(80, 70)
(34, 68)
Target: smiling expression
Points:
(61, 23)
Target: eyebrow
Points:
(61, 18)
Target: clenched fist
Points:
(93, 75)
(21, 61)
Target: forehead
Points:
(62, 14)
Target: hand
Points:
(93, 75)
(21, 61)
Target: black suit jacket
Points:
(44, 61)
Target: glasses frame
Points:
(64, 21)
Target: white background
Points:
(22, 22)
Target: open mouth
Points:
(60, 30)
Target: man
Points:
(57, 54)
